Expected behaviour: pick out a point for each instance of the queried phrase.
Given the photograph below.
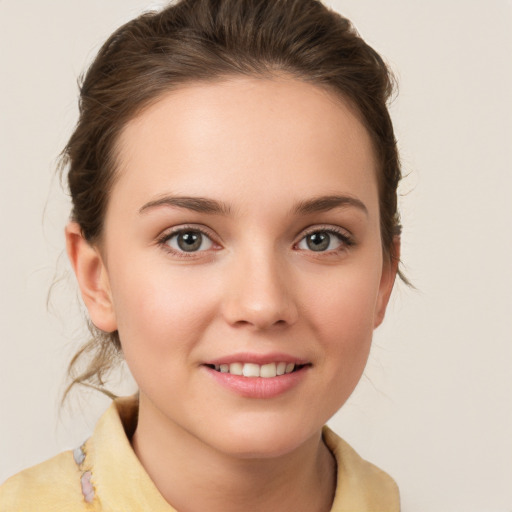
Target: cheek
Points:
(160, 313)
(347, 341)
(344, 302)
(343, 317)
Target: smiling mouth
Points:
(253, 370)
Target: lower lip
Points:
(258, 387)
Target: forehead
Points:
(254, 137)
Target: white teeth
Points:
(236, 368)
(251, 370)
(265, 371)
(268, 370)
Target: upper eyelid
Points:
(344, 236)
(169, 232)
(215, 238)
(166, 235)
(330, 228)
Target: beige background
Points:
(435, 405)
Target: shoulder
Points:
(360, 484)
(53, 485)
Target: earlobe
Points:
(92, 278)
(389, 272)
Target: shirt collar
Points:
(120, 481)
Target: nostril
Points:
(260, 323)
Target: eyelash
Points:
(164, 239)
(346, 240)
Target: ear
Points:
(387, 280)
(92, 278)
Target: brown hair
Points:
(206, 40)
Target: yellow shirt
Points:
(104, 475)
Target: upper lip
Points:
(260, 359)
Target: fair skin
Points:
(263, 271)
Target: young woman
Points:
(235, 238)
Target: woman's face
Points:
(242, 235)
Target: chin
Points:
(263, 440)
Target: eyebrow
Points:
(197, 204)
(211, 206)
(326, 203)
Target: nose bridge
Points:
(260, 289)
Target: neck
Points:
(193, 476)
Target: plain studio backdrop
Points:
(434, 407)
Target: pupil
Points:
(318, 241)
(190, 241)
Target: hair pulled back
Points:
(207, 40)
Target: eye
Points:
(188, 240)
(324, 240)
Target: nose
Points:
(259, 293)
